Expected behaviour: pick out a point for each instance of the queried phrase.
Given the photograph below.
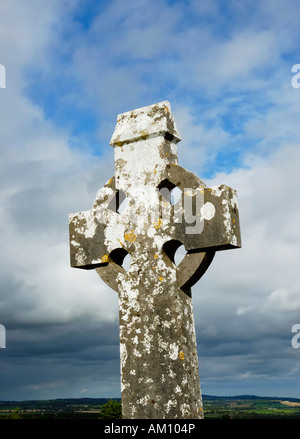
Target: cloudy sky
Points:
(226, 69)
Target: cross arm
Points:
(207, 218)
(87, 231)
(217, 225)
(86, 240)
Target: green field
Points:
(250, 407)
(236, 407)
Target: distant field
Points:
(290, 403)
(253, 407)
(237, 407)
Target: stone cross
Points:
(158, 349)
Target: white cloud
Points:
(42, 180)
(243, 309)
(251, 296)
(283, 300)
(199, 145)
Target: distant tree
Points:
(15, 414)
(111, 410)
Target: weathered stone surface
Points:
(145, 122)
(158, 350)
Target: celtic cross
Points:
(158, 350)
